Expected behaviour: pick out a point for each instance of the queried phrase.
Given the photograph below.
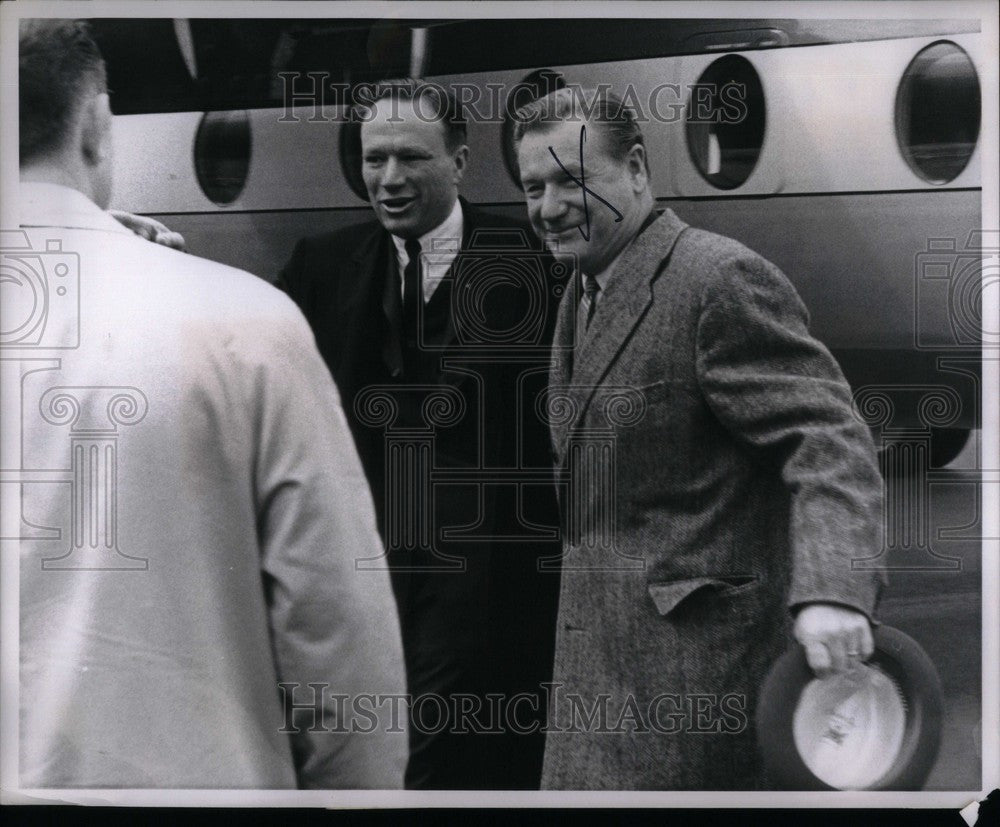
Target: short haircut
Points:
(431, 100)
(59, 66)
(599, 107)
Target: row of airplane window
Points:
(937, 121)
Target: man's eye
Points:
(372, 160)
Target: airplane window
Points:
(938, 111)
(222, 155)
(536, 85)
(725, 122)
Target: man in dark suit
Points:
(427, 322)
(717, 483)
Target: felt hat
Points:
(875, 727)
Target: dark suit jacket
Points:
(498, 340)
(735, 483)
(494, 361)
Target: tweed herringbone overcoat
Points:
(713, 478)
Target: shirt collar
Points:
(605, 275)
(43, 204)
(447, 234)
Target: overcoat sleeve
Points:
(333, 623)
(781, 393)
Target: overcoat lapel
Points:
(561, 367)
(619, 311)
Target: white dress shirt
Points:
(438, 249)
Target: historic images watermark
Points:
(705, 103)
(954, 280)
(318, 707)
(41, 290)
(40, 327)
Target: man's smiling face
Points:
(411, 175)
(556, 202)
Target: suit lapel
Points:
(362, 297)
(447, 345)
(471, 220)
(392, 310)
(619, 311)
(444, 342)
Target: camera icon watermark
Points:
(39, 323)
(409, 466)
(588, 470)
(39, 294)
(502, 293)
(954, 281)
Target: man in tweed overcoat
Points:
(715, 483)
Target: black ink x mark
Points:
(580, 182)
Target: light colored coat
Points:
(727, 481)
(218, 551)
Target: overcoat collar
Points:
(577, 371)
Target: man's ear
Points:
(95, 129)
(635, 162)
(461, 159)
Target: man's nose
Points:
(553, 206)
(392, 174)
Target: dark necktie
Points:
(590, 290)
(412, 293)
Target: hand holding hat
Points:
(834, 637)
(876, 726)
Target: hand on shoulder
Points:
(150, 229)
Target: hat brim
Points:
(900, 658)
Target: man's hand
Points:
(834, 637)
(149, 229)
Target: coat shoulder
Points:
(717, 251)
(490, 229)
(725, 264)
(490, 219)
(339, 242)
(317, 261)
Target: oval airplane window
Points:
(725, 122)
(222, 155)
(938, 111)
(350, 156)
(536, 85)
